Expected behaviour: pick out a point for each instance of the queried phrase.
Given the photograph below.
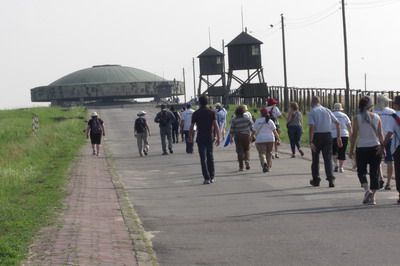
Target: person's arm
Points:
(353, 137)
(87, 131)
(147, 127)
(277, 139)
(190, 133)
(218, 132)
(349, 129)
(157, 118)
(338, 138)
(381, 149)
(311, 133)
(103, 128)
(232, 131)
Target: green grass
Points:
(33, 171)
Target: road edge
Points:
(143, 247)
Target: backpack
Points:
(176, 122)
(139, 125)
(164, 119)
(271, 116)
(96, 126)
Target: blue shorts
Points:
(388, 157)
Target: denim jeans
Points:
(295, 133)
(189, 145)
(322, 142)
(206, 159)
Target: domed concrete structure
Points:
(106, 82)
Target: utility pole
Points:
(184, 84)
(365, 81)
(286, 91)
(346, 63)
(194, 82)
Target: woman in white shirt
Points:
(339, 154)
(368, 129)
(265, 131)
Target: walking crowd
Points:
(373, 134)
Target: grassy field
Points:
(33, 171)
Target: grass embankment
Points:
(33, 171)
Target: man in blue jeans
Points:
(206, 123)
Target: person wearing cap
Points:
(220, 115)
(274, 114)
(266, 135)
(164, 118)
(142, 131)
(339, 154)
(95, 130)
(186, 121)
(368, 139)
(393, 131)
(320, 120)
(385, 113)
(175, 124)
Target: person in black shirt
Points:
(95, 130)
(205, 120)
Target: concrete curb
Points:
(144, 252)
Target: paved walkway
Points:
(92, 230)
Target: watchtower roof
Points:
(210, 52)
(243, 39)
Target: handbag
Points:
(287, 124)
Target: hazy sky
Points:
(43, 40)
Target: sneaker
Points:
(240, 169)
(276, 156)
(206, 182)
(145, 152)
(273, 156)
(247, 165)
(331, 183)
(265, 168)
(336, 168)
(170, 150)
(141, 154)
(212, 180)
(301, 152)
(341, 170)
(314, 183)
(94, 153)
(367, 196)
(98, 153)
(293, 156)
(372, 201)
(164, 153)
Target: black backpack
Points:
(96, 126)
(139, 125)
(164, 119)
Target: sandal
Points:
(388, 187)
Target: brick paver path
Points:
(92, 230)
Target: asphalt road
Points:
(248, 218)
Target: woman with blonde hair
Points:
(241, 128)
(367, 133)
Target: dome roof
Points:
(107, 74)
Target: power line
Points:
(299, 26)
(315, 16)
(371, 4)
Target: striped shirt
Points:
(241, 125)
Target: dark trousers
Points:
(322, 142)
(165, 132)
(206, 159)
(189, 145)
(294, 133)
(340, 152)
(396, 157)
(242, 148)
(175, 133)
(365, 156)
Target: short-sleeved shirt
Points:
(90, 123)
(275, 112)
(186, 117)
(394, 127)
(344, 120)
(204, 119)
(386, 117)
(322, 119)
(265, 130)
(220, 115)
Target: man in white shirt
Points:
(186, 121)
(393, 128)
(385, 113)
(220, 115)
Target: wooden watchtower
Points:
(245, 54)
(212, 63)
